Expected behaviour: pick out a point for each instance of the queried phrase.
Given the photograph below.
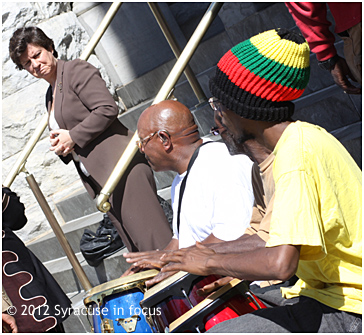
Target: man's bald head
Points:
(170, 115)
(177, 138)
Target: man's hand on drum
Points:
(192, 259)
(143, 261)
(146, 258)
(158, 278)
(135, 269)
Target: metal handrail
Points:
(195, 85)
(102, 200)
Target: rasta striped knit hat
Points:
(257, 78)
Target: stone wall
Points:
(134, 59)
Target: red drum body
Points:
(172, 298)
(230, 301)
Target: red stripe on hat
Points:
(248, 81)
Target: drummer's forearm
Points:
(243, 244)
(261, 264)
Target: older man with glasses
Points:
(212, 196)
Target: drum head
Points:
(97, 293)
(163, 284)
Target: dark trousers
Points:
(135, 209)
(297, 315)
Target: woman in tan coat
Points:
(84, 128)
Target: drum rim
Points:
(118, 285)
(163, 284)
(204, 303)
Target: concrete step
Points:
(47, 247)
(111, 268)
(78, 322)
(203, 114)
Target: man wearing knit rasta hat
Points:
(315, 229)
(258, 78)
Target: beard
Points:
(236, 146)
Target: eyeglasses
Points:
(216, 105)
(215, 131)
(141, 143)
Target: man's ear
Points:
(166, 139)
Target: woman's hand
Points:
(61, 142)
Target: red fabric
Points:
(311, 19)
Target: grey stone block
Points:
(130, 118)
(357, 104)
(188, 16)
(350, 132)
(330, 111)
(147, 86)
(78, 322)
(232, 13)
(209, 52)
(133, 44)
(111, 268)
(204, 118)
(79, 7)
(164, 179)
(277, 16)
(355, 148)
(274, 16)
(76, 207)
(47, 247)
(144, 87)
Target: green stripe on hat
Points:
(269, 69)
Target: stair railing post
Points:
(58, 231)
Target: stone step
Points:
(110, 268)
(202, 112)
(47, 247)
(78, 322)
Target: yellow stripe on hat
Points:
(281, 50)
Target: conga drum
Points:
(228, 302)
(173, 297)
(114, 306)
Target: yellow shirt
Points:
(318, 203)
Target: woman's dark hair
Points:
(28, 35)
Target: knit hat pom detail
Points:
(259, 77)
